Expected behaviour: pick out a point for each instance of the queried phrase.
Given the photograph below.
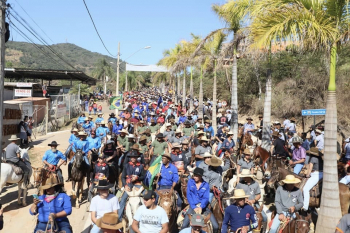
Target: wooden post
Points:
(2, 70)
(69, 106)
(302, 121)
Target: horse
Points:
(134, 202)
(246, 140)
(300, 224)
(167, 200)
(264, 155)
(10, 175)
(110, 126)
(79, 172)
(344, 192)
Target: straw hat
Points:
(313, 151)
(249, 118)
(167, 124)
(230, 133)
(246, 173)
(167, 155)
(13, 138)
(124, 131)
(318, 131)
(204, 138)
(293, 119)
(185, 142)
(215, 161)
(275, 134)
(82, 133)
(143, 137)
(109, 221)
(50, 182)
(178, 131)
(102, 122)
(239, 193)
(207, 155)
(176, 145)
(290, 179)
(130, 136)
(136, 147)
(200, 132)
(247, 151)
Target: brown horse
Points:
(299, 225)
(263, 154)
(79, 172)
(246, 140)
(167, 200)
(184, 181)
(110, 127)
(260, 218)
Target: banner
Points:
(24, 84)
(153, 170)
(116, 102)
(23, 92)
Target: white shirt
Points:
(151, 220)
(102, 206)
(320, 142)
(286, 122)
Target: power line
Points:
(97, 30)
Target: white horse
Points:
(8, 175)
(134, 202)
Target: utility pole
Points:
(2, 69)
(117, 82)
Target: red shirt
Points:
(160, 120)
(165, 108)
(134, 120)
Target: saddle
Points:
(18, 171)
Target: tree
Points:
(103, 69)
(84, 89)
(312, 25)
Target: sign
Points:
(23, 92)
(313, 112)
(224, 103)
(24, 84)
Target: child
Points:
(95, 108)
(99, 108)
(101, 171)
(90, 109)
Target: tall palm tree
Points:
(103, 69)
(318, 25)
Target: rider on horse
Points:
(94, 142)
(198, 199)
(53, 159)
(239, 215)
(176, 138)
(81, 119)
(102, 131)
(159, 146)
(87, 126)
(201, 149)
(245, 162)
(188, 130)
(288, 200)
(99, 118)
(299, 155)
(249, 126)
(122, 140)
(101, 171)
(74, 136)
(132, 175)
(141, 127)
(117, 128)
(144, 147)
(112, 118)
(154, 127)
(278, 147)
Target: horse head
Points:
(24, 154)
(274, 178)
(134, 202)
(302, 224)
(78, 158)
(39, 174)
(167, 201)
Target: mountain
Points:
(26, 55)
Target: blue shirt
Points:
(248, 126)
(94, 142)
(182, 119)
(197, 196)
(87, 126)
(81, 145)
(228, 145)
(60, 203)
(306, 144)
(237, 217)
(189, 230)
(81, 120)
(53, 157)
(117, 128)
(103, 130)
(99, 119)
(168, 175)
(92, 124)
(211, 130)
(72, 138)
(112, 119)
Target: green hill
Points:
(26, 55)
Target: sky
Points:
(134, 23)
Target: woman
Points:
(228, 144)
(22, 133)
(53, 206)
(30, 123)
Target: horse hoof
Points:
(24, 204)
(77, 206)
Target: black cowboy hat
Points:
(160, 135)
(103, 184)
(187, 123)
(198, 171)
(133, 154)
(53, 143)
(112, 114)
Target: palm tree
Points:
(84, 89)
(103, 69)
(136, 80)
(318, 25)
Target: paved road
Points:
(17, 218)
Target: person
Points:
(286, 123)
(13, 156)
(150, 217)
(22, 133)
(278, 145)
(102, 203)
(205, 166)
(288, 200)
(261, 122)
(102, 131)
(182, 118)
(87, 126)
(159, 146)
(112, 118)
(198, 199)
(252, 188)
(168, 176)
(201, 149)
(228, 143)
(186, 151)
(111, 158)
(109, 223)
(319, 141)
(132, 176)
(314, 173)
(343, 225)
(245, 162)
(188, 130)
(53, 159)
(346, 179)
(99, 118)
(168, 133)
(122, 140)
(249, 126)
(154, 127)
(53, 206)
(101, 171)
(99, 108)
(239, 215)
(306, 142)
(291, 126)
(177, 158)
(221, 135)
(94, 106)
(196, 224)
(81, 119)
(30, 123)
(208, 128)
(74, 136)
(299, 155)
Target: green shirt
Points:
(154, 128)
(149, 139)
(144, 148)
(141, 129)
(122, 141)
(188, 131)
(159, 147)
(174, 127)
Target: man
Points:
(102, 131)
(319, 141)
(288, 200)
(176, 138)
(291, 126)
(223, 119)
(299, 155)
(132, 176)
(278, 129)
(221, 135)
(251, 188)
(188, 130)
(112, 118)
(54, 158)
(286, 123)
(87, 126)
(198, 135)
(198, 199)
(102, 203)
(122, 140)
(154, 127)
(197, 223)
(73, 137)
(168, 133)
(261, 122)
(186, 151)
(13, 156)
(83, 145)
(150, 217)
(131, 142)
(182, 118)
(81, 119)
(99, 118)
(94, 142)
(201, 149)
(278, 145)
(208, 128)
(245, 162)
(249, 126)
(141, 127)
(117, 128)
(177, 158)
(143, 144)
(239, 215)
(343, 224)
(159, 146)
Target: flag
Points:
(116, 102)
(160, 100)
(153, 170)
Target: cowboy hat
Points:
(90, 117)
(204, 138)
(167, 124)
(207, 155)
(297, 139)
(215, 162)
(238, 194)
(53, 143)
(109, 221)
(141, 122)
(143, 137)
(167, 155)
(13, 138)
(318, 131)
(102, 122)
(249, 118)
(147, 131)
(160, 135)
(176, 145)
(178, 131)
(207, 121)
(124, 131)
(82, 133)
(185, 142)
(112, 114)
(187, 123)
(133, 154)
(247, 151)
(290, 179)
(99, 114)
(292, 119)
(275, 134)
(50, 182)
(198, 171)
(74, 130)
(103, 184)
(200, 132)
(197, 220)
(313, 151)
(130, 136)
(260, 116)
(246, 173)
(230, 133)
(347, 140)
(136, 147)
(109, 142)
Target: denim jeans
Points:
(211, 196)
(95, 229)
(213, 221)
(198, 162)
(264, 216)
(311, 182)
(298, 168)
(276, 222)
(122, 203)
(62, 226)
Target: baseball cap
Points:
(149, 194)
(197, 220)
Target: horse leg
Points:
(73, 190)
(77, 196)
(24, 200)
(19, 193)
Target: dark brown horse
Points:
(263, 154)
(246, 140)
(299, 225)
(79, 171)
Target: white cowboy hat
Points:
(176, 145)
(239, 193)
(102, 122)
(124, 131)
(207, 155)
(290, 179)
(347, 140)
(82, 133)
(204, 138)
(130, 136)
(246, 173)
(167, 124)
(13, 138)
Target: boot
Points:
(69, 172)
(264, 226)
(215, 231)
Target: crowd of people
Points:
(152, 129)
